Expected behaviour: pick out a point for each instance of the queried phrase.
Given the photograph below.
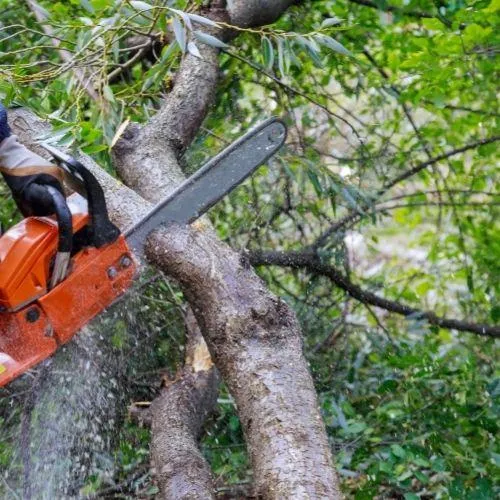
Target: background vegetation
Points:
(373, 93)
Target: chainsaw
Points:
(57, 273)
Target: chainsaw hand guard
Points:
(101, 230)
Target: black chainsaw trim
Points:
(55, 202)
(100, 231)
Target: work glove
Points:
(28, 175)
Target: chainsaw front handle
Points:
(65, 229)
(101, 230)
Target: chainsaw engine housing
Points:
(35, 321)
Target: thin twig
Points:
(66, 56)
(310, 262)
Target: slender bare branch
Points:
(41, 16)
(310, 262)
(355, 215)
(448, 154)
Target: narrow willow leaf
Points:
(332, 21)
(268, 53)
(108, 93)
(203, 20)
(313, 177)
(87, 6)
(312, 49)
(116, 51)
(281, 57)
(168, 51)
(193, 49)
(294, 60)
(288, 54)
(138, 5)
(185, 18)
(349, 198)
(180, 33)
(332, 44)
(210, 40)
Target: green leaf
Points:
(385, 467)
(139, 5)
(108, 93)
(210, 40)
(470, 282)
(87, 6)
(411, 496)
(202, 20)
(168, 51)
(332, 21)
(398, 451)
(495, 313)
(313, 177)
(180, 34)
(312, 49)
(267, 52)
(193, 49)
(281, 57)
(185, 18)
(332, 44)
(421, 477)
(356, 428)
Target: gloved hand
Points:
(27, 174)
(4, 125)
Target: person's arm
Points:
(28, 175)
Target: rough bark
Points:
(255, 341)
(249, 13)
(253, 337)
(178, 416)
(155, 148)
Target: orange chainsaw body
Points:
(35, 321)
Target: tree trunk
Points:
(255, 341)
(253, 337)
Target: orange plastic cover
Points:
(34, 322)
(26, 252)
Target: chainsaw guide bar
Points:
(39, 314)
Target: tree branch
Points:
(256, 343)
(421, 166)
(251, 13)
(355, 215)
(310, 262)
(178, 416)
(41, 16)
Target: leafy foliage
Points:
(371, 94)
